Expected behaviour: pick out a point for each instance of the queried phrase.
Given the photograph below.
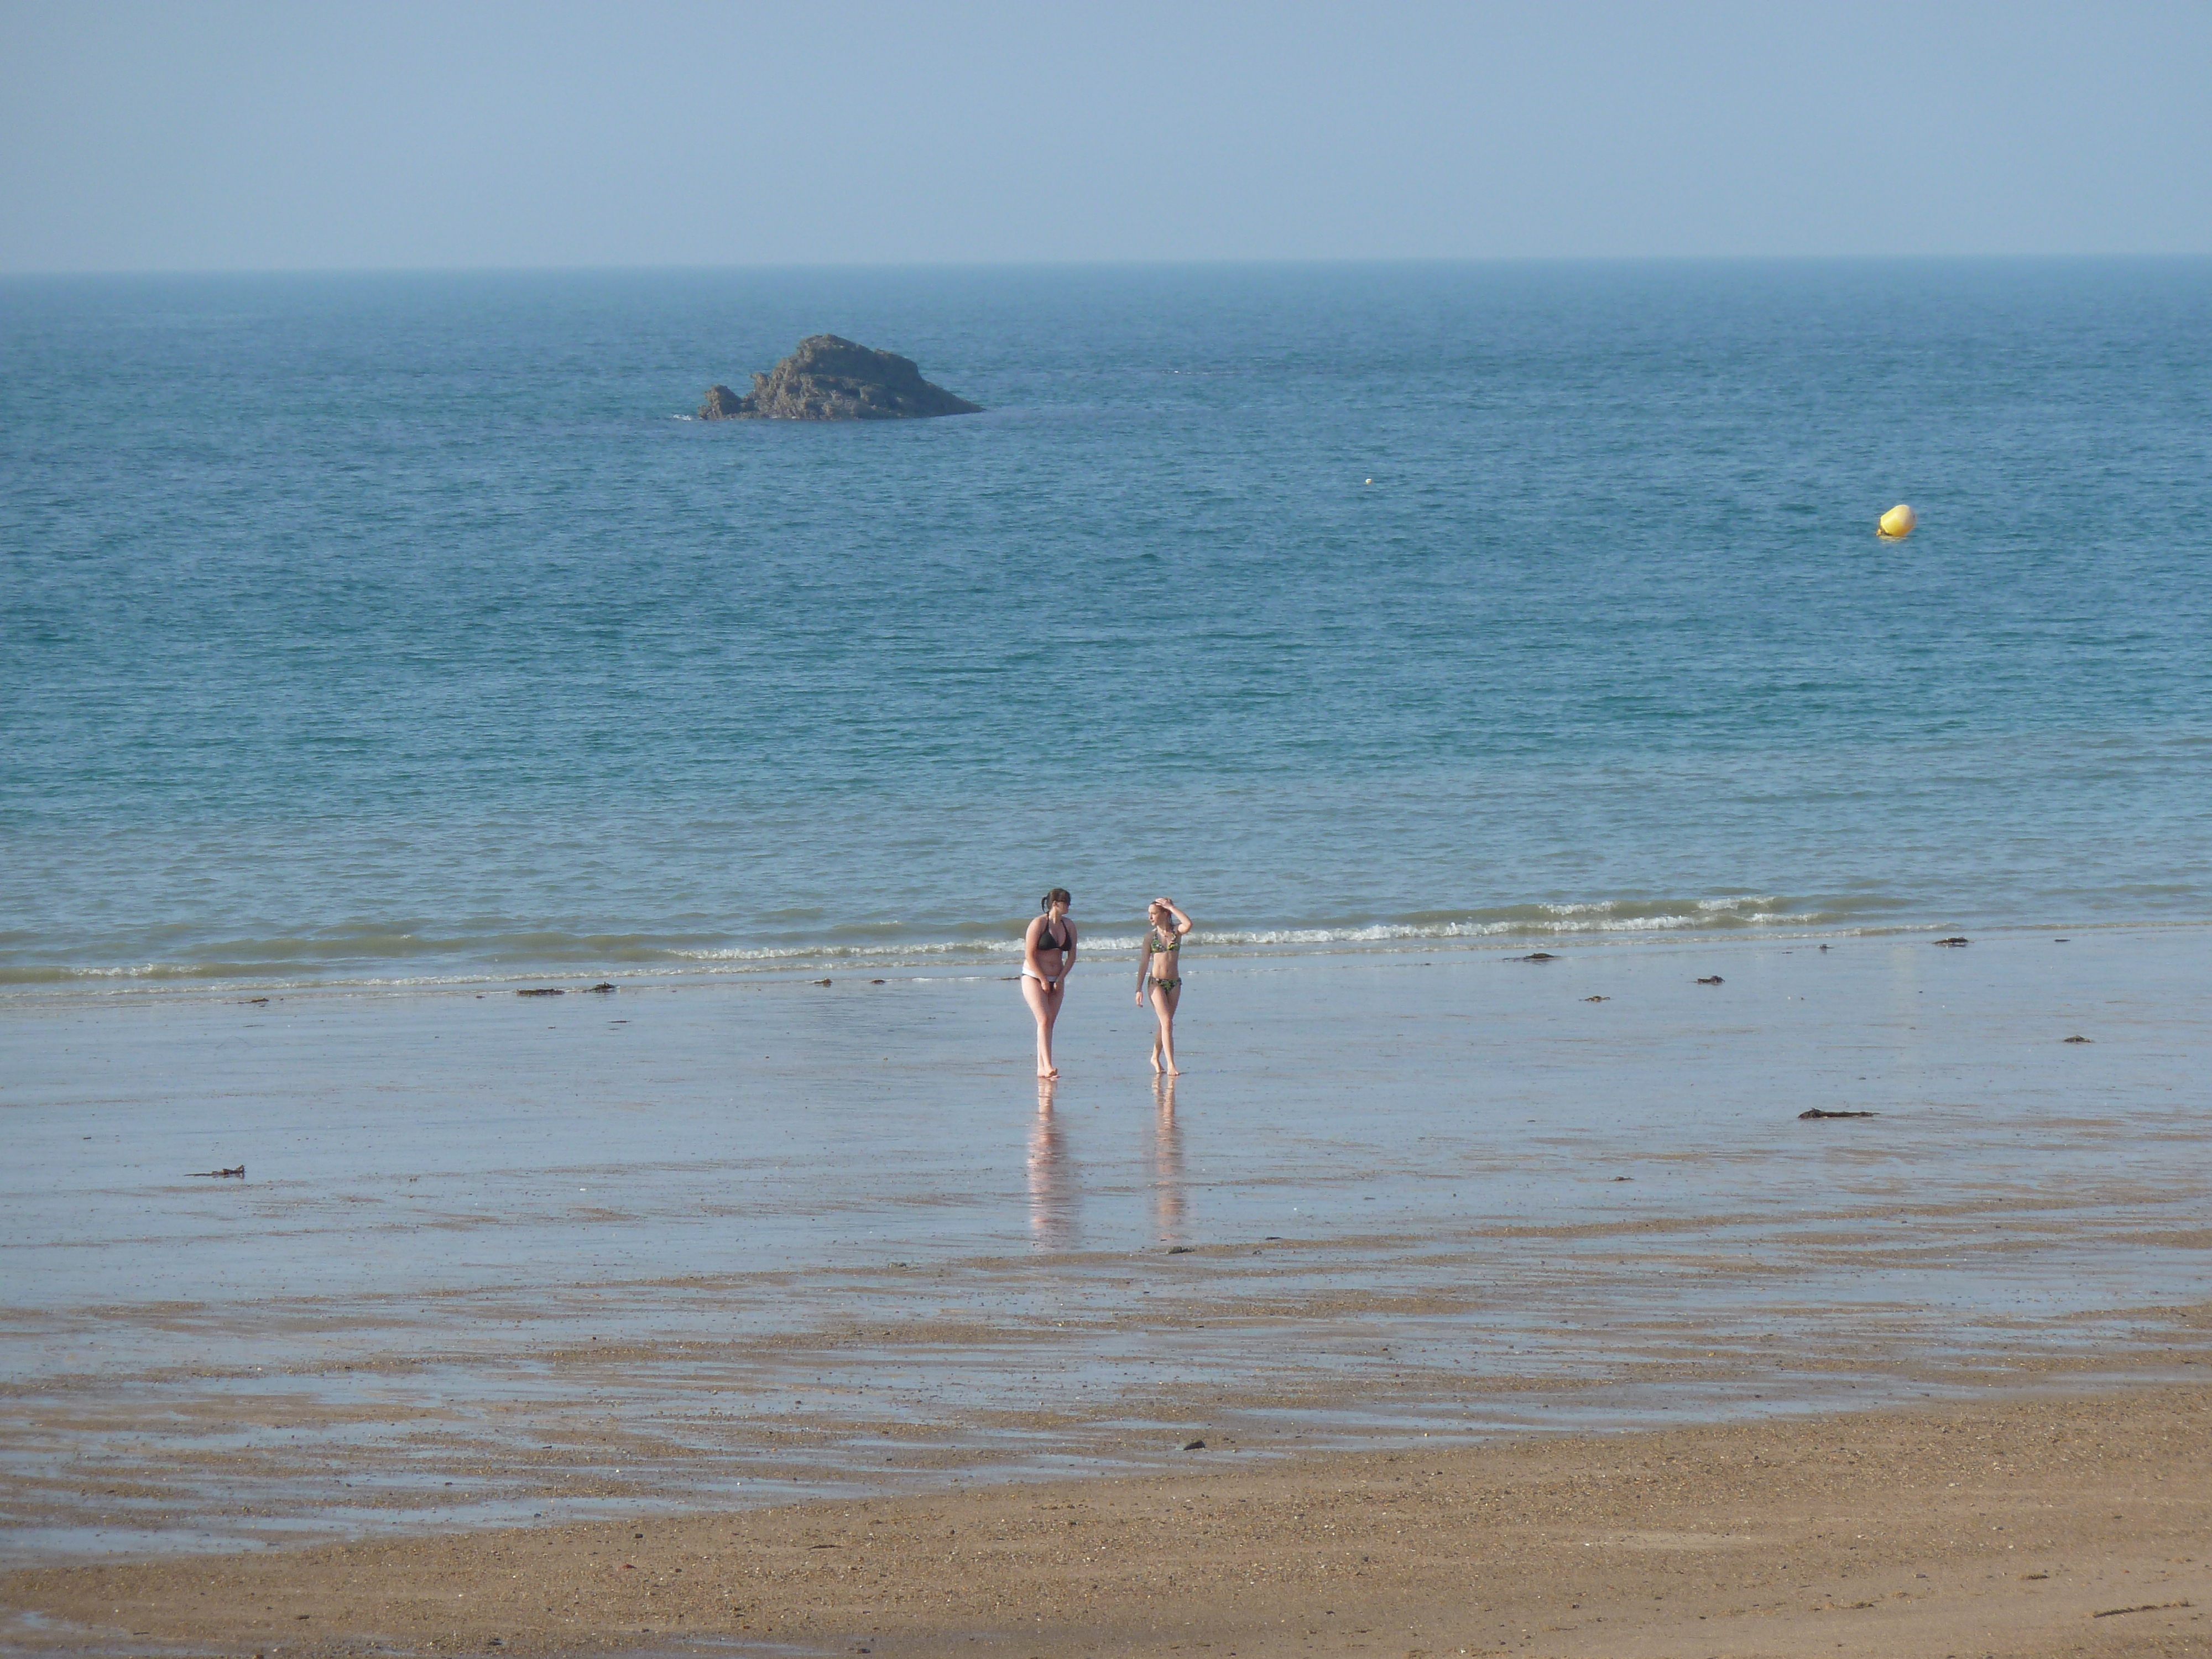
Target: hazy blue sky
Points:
(248, 136)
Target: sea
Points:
(408, 628)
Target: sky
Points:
(253, 137)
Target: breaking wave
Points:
(416, 954)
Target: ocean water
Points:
(401, 627)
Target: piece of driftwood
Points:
(1540, 955)
(542, 990)
(238, 1174)
(1817, 1112)
(1710, 979)
(1957, 939)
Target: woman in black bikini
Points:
(1159, 978)
(1048, 953)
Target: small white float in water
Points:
(1897, 523)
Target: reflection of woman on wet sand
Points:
(1159, 976)
(1167, 1163)
(1048, 953)
(1052, 1192)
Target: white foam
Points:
(365, 958)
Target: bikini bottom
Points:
(1174, 984)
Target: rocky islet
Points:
(828, 378)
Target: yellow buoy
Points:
(1897, 523)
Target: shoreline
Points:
(2032, 1526)
(106, 987)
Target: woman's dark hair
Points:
(1058, 895)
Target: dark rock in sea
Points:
(1710, 979)
(1540, 955)
(1817, 1112)
(1954, 941)
(829, 378)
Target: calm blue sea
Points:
(400, 627)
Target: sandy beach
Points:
(1643, 579)
(2031, 1527)
(753, 1266)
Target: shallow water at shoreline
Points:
(725, 1241)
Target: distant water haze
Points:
(402, 627)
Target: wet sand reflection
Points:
(1052, 1179)
(1166, 1164)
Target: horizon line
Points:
(1216, 262)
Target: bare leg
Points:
(1053, 998)
(1045, 1005)
(1164, 1005)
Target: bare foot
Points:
(1173, 1071)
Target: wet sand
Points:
(716, 1249)
(2026, 1528)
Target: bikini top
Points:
(1046, 942)
(1156, 945)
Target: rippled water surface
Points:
(398, 627)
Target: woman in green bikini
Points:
(1159, 978)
